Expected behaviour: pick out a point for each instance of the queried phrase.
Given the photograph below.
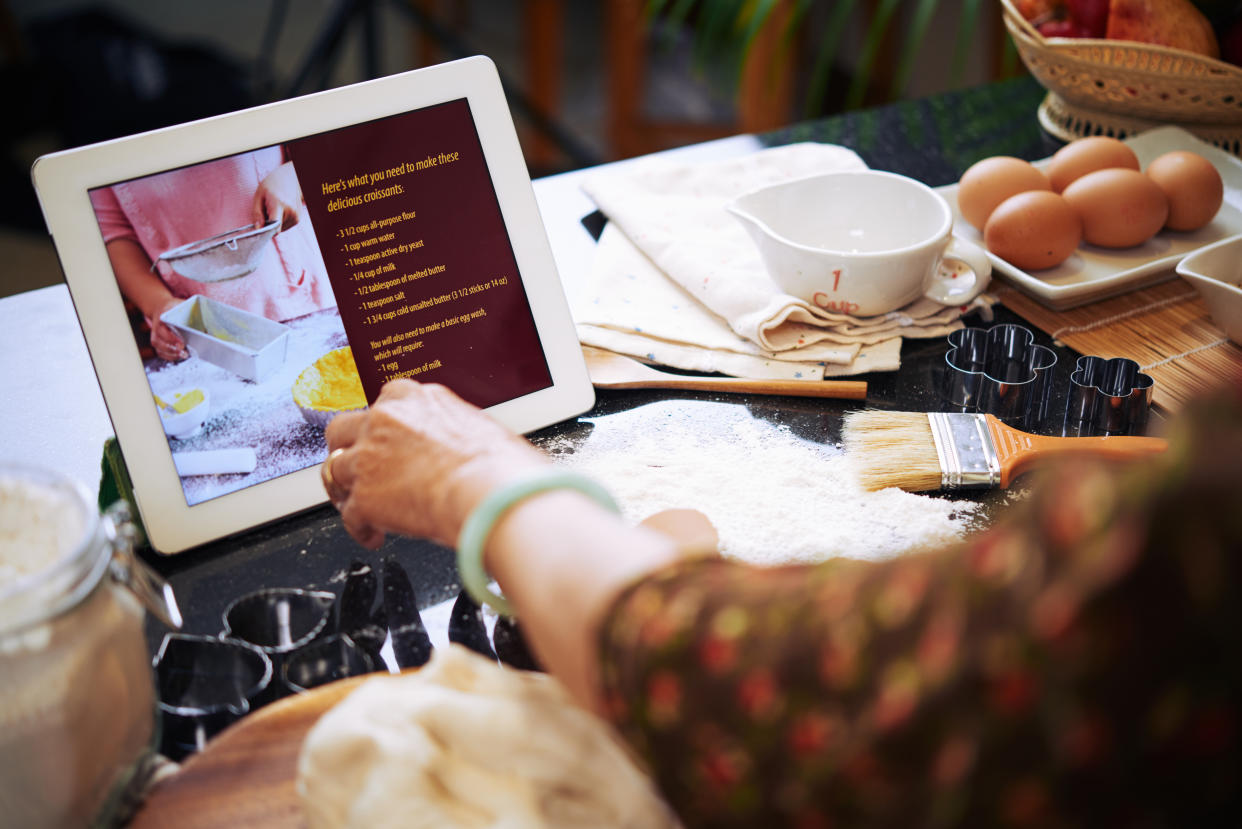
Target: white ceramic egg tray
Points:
(1093, 273)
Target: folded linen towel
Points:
(626, 304)
(683, 271)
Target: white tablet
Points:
(241, 279)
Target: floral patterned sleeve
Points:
(1079, 665)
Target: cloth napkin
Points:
(678, 281)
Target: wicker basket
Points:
(1119, 88)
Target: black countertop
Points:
(932, 139)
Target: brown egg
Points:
(1033, 230)
(1192, 185)
(1086, 155)
(1119, 208)
(989, 182)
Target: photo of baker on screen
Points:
(243, 206)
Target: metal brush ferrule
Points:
(966, 450)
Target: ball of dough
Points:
(464, 742)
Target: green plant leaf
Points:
(1009, 59)
(967, 26)
(725, 31)
(871, 49)
(718, 19)
(826, 53)
(758, 14)
(753, 18)
(794, 24)
(915, 34)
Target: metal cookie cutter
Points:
(999, 371)
(204, 684)
(1107, 397)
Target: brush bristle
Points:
(889, 449)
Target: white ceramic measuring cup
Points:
(861, 243)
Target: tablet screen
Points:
(271, 289)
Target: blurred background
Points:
(589, 81)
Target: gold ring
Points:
(336, 493)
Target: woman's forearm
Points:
(561, 559)
(132, 267)
(145, 289)
(420, 460)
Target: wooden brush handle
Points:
(841, 389)
(1019, 450)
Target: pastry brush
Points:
(918, 451)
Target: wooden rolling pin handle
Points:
(215, 462)
(839, 389)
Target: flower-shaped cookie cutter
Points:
(1107, 397)
(999, 371)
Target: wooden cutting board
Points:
(245, 775)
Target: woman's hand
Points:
(421, 458)
(147, 290)
(417, 462)
(167, 343)
(278, 198)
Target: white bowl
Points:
(184, 424)
(1216, 273)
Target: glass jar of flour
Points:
(77, 696)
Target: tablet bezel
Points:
(62, 181)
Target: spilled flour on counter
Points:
(773, 497)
